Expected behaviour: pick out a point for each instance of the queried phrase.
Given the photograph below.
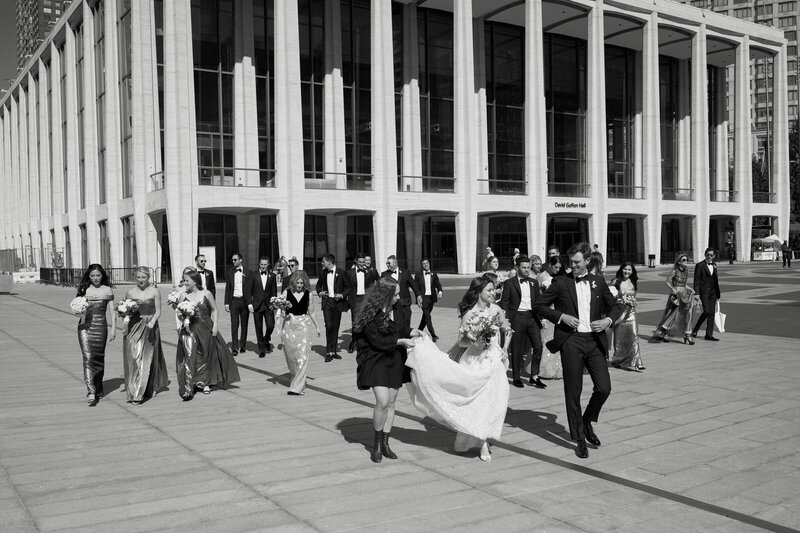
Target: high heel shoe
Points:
(687, 339)
(485, 454)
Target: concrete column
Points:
(383, 133)
(180, 135)
(684, 129)
(411, 120)
(112, 134)
(743, 170)
(35, 214)
(535, 126)
(289, 165)
(245, 120)
(13, 135)
(334, 151)
(44, 150)
(721, 128)
(651, 137)
(699, 153)
(780, 143)
(22, 198)
(70, 144)
(596, 142)
(464, 136)
(56, 161)
(90, 121)
(384, 223)
(481, 133)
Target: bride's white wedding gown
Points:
(470, 396)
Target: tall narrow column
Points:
(334, 149)
(410, 106)
(56, 161)
(383, 134)
(90, 121)
(70, 144)
(720, 184)
(651, 137)
(780, 142)
(245, 106)
(684, 148)
(743, 170)
(596, 142)
(44, 154)
(112, 133)
(33, 158)
(480, 155)
(699, 161)
(13, 136)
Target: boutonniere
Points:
(594, 284)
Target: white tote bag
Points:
(719, 319)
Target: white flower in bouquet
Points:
(126, 308)
(79, 305)
(280, 303)
(186, 310)
(175, 296)
(480, 328)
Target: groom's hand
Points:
(570, 321)
(600, 325)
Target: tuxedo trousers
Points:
(709, 301)
(354, 306)
(426, 321)
(239, 316)
(333, 318)
(527, 334)
(579, 351)
(261, 318)
(402, 315)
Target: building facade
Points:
(141, 131)
(35, 20)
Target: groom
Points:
(584, 309)
(706, 289)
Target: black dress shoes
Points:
(434, 338)
(336, 355)
(351, 349)
(591, 437)
(270, 347)
(537, 383)
(710, 338)
(581, 450)
(234, 353)
(518, 383)
(242, 349)
(262, 354)
(328, 357)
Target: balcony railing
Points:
(442, 184)
(676, 193)
(724, 195)
(157, 181)
(71, 277)
(575, 190)
(763, 197)
(512, 187)
(234, 176)
(332, 180)
(633, 192)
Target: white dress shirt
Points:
(264, 279)
(237, 283)
(584, 292)
(710, 268)
(525, 294)
(202, 278)
(360, 282)
(330, 281)
(427, 275)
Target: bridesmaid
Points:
(93, 329)
(626, 331)
(296, 334)
(142, 356)
(677, 319)
(203, 358)
(550, 367)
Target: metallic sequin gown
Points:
(626, 339)
(202, 358)
(92, 336)
(297, 338)
(677, 319)
(142, 356)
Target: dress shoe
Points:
(262, 354)
(434, 338)
(694, 334)
(351, 349)
(234, 353)
(336, 355)
(242, 349)
(710, 338)
(270, 347)
(518, 383)
(581, 450)
(537, 383)
(591, 437)
(328, 358)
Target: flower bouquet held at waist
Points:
(628, 300)
(279, 303)
(186, 310)
(174, 297)
(126, 309)
(481, 327)
(79, 305)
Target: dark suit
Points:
(428, 300)
(258, 292)
(706, 286)
(354, 299)
(332, 309)
(402, 308)
(526, 325)
(238, 309)
(579, 350)
(208, 281)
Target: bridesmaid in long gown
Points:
(626, 331)
(677, 319)
(142, 356)
(203, 358)
(550, 367)
(93, 329)
(297, 334)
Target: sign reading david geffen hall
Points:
(570, 205)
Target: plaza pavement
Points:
(705, 439)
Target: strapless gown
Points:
(92, 337)
(626, 340)
(143, 361)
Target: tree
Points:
(794, 172)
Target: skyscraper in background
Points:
(35, 18)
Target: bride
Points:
(469, 395)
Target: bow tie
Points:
(585, 278)
(427, 272)
(201, 271)
(263, 272)
(361, 270)
(238, 270)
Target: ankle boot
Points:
(385, 450)
(375, 455)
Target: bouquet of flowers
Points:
(279, 304)
(79, 305)
(174, 297)
(186, 310)
(481, 327)
(127, 308)
(627, 299)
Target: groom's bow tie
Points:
(585, 278)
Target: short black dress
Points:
(381, 362)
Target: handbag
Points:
(719, 320)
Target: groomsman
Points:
(402, 308)
(333, 291)
(358, 280)
(706, 288)
(259, 289)
(234, 303)
(431, 291)
(206, 276)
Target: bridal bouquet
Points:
(186, 310)
(174, 297)
(127, 308)
(279, 304)
(481, 327)
(628, 299)
(79, 305)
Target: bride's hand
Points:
(408, 343)
(416, 333)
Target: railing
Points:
(71, 277)
(317, 179)
(234, 176)
(724, 195)
(157, 181)
(513, 187)
(632, 192)
(617, 258)
(445, 184)
(560, 188)
(675, 193)
(162, 275)
(763, 197)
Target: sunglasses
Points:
(203, 261)
(684, 260)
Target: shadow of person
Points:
(541, 424)
(434, 436)
(282, 379)
(111, 385)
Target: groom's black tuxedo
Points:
(706, 286)
(526, 324)
(579, 349)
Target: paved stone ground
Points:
(706, 439)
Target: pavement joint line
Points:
(16, 492)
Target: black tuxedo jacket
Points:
(563, 296)
(209, 282)
(406, 283)
(351, 279)
(704, 283)
(436, 287)
(512, 297)
(257, 295)
(229, 283)
(339, 286)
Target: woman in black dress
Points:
(93, 331)
(381, 345)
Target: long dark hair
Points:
(86, 283)
(471, 297)
(634, 276)
(377, 298)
